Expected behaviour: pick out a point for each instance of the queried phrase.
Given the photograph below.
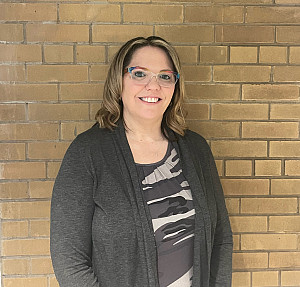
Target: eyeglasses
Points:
(142, 76)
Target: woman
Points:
(137, 201)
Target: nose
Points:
(153, 84)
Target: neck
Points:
(144, 131)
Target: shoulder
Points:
(90, 139)
(195, 139)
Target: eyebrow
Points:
(164, 70)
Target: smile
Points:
(150, 100)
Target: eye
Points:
(166, 76)
(139, 74)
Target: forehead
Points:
(152, 58)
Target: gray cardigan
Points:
(101, 230)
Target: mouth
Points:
(150, 99)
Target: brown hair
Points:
(112, 108)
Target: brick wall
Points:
(241, 62)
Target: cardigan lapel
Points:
(143, 223)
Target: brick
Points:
(214, 14)
(40, 189)
(236, 242)
(186, 33)
(52, 169)
(57, 33)
(94, 108)
(25, 282)
(212, 92)
(81, 92)
(245, 34)
(245, 186)
(214, 129)
(41, 266)
(288, 34)
(56, 112)
(284, 224)
(26, 210)
(153, 13)
(284, 260)
(47, 150)
(70, 130)
(13, 190)
(249, 223)
(287, 1)
(249, 260)
(119, 33)
(39, 228)
(11, 32)
(15, 266)
(220, 167)
(28, 92)
(269, 241)
(12, 151)
(267, 168)
(286, 15)
(269, 205)
(292, 167)
(187, 54)
(287, 74)
(213, 54)
(239, 111)
(232, 205)
(243, 1)
(53, 282)
(98, 72)
(58, 54)
(112, 50)
(197, 111)
(295, 55)
(230, 148)
(265, 278)
(285, 186)
(285, 149)
(238, 168)
(91, 54)
(270, 130)
(289, 278)
(22, 170)
(272, 54)
(241, 73)
(28, 12)
(270, 92)
(27, 247)
(57, 73)
(20, 53)
(32, 131)
(12, 112)
(285, 111)
(89, 13)
(243, 54)
(241, 279)
(12, 73)
(15, 229)
(197, 73)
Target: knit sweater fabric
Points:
(101, 229)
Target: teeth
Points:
(150, 100)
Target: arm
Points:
(221, 259)
(72, 209)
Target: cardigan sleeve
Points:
(72, 209)
(221, 259)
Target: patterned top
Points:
(170, 202)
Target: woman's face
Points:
(149, 101)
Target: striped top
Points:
(170, 203)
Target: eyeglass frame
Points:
(130, 69)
